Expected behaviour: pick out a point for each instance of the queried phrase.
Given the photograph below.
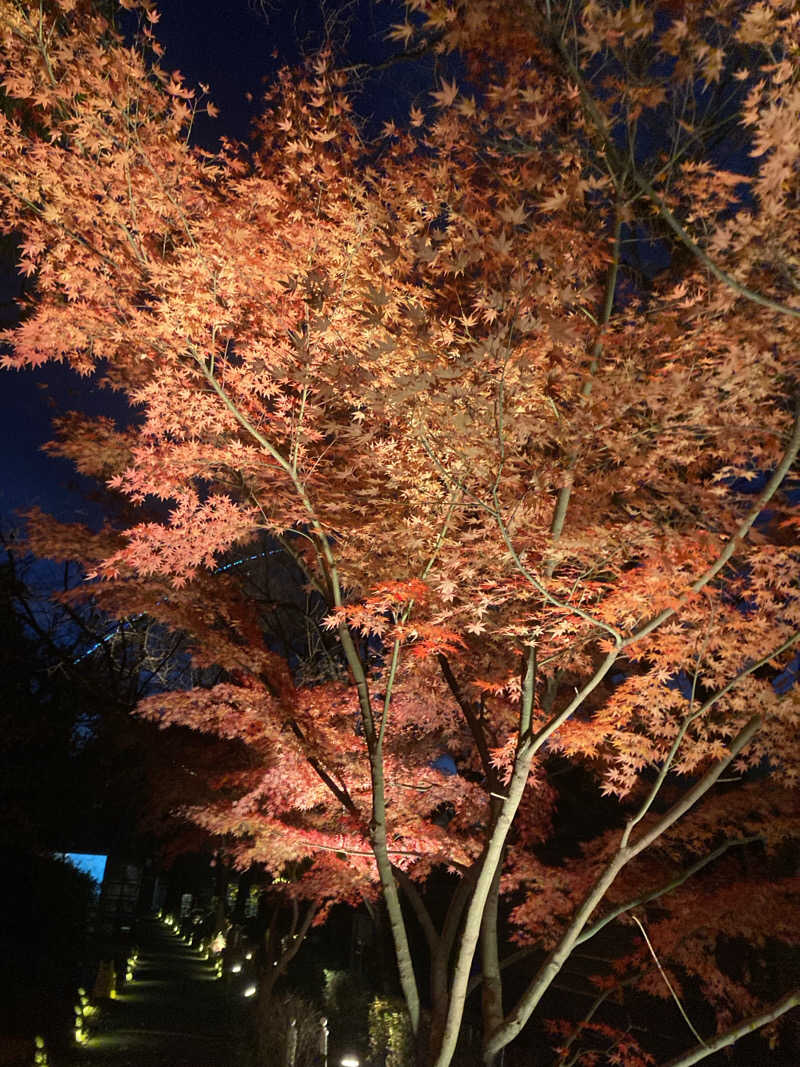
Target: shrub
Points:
(390, 1032)
(273, 1029)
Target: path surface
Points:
(174, 1013)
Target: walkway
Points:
(174, 1013)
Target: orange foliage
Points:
(415, 361)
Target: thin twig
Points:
(667, 982)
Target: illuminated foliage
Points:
(509, 463)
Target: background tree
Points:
(508, 469)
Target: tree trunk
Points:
(438, 1002)
(491, 985)
(221, 889)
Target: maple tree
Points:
(508, 464)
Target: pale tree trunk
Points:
(377, 828)
(491, 861)
(491, 984)
(391, 896)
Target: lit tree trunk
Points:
(377, 828)
(491, 985)
(405, 965)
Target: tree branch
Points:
(678, 880)
(708, 263)
(420, 910)
(492, 857)
(514, 1022)
(474, 723)
(730, 1036)
(562, 503)
(596, 117)
(772, 486)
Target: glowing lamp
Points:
(250, 991)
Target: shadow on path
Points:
(174, 1013)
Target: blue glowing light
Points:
(90, 863)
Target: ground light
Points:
(83, 1009)
(250, 991)
(349, 1061)
(80, 1030)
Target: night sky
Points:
(233, 46)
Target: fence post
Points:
(291, 1043)
(323, 1041)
